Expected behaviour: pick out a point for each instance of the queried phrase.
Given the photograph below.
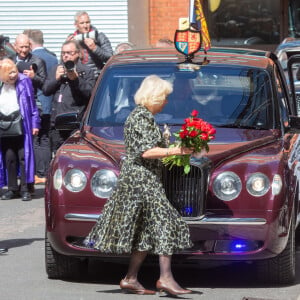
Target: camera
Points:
(3, 40)
(82, 36)
(69, 66)
(23, 65)
(6, 49)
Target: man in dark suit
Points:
(42, 142)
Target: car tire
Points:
(280, 269)
(60, 266)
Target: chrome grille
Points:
(298, 103)
(186, 192)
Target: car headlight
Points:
(258, 184)
(276, 184)
(75, 180)
(57, 179)
(103, 183)
(227, 186)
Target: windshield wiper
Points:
(234, 125)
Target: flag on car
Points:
(198, 20)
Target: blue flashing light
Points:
(187, 210)
(240, 246)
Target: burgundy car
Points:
(240, 200)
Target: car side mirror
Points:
(67, 121)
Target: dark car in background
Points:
(240, 200)
(286, 49)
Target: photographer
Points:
(96, 47)
(71, 83)
(29, 64)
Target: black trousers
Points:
(57, 138)
(42, 147)
(14, 158)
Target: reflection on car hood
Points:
(228, 141)
(232, 142)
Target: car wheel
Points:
(60, 266)
(279, 269)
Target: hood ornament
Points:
(166, 135)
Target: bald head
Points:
(22, 45)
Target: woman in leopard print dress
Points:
(138, 218)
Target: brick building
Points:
(150, 20)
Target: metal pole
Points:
(192, 3)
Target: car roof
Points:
(289, 44)
(217, 55)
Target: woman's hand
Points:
(158, 152)
(35, 131)
(181, 150)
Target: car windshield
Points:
(238, 96)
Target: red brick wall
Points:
(164, 16)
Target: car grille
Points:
(298, 103)
(187, 193)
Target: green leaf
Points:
(187, 169)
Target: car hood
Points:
(228, 142)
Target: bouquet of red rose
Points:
(195, 133)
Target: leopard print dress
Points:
(138, 216)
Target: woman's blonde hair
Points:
(153, 90)
(6, 66)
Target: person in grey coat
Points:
(96, 47)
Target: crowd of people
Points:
(57, 88)
(52, 87)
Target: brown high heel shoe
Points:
(164, 288)
(134, 288)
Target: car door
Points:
(294, 80)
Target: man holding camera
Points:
(29, 64)
(71, 84)
(96, 47)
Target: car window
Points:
(283, 104)
(236, 96)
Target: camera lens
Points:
(69, 65)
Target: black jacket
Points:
(39, 67)
(97, 58)
(69, 95)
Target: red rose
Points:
(194, 113)
(183, 134)
(204, 136)
(212, 131)
(193, 133)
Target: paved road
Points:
(23, 274)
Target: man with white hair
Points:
(29, 64)
(96, 47)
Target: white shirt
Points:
(8, 99)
